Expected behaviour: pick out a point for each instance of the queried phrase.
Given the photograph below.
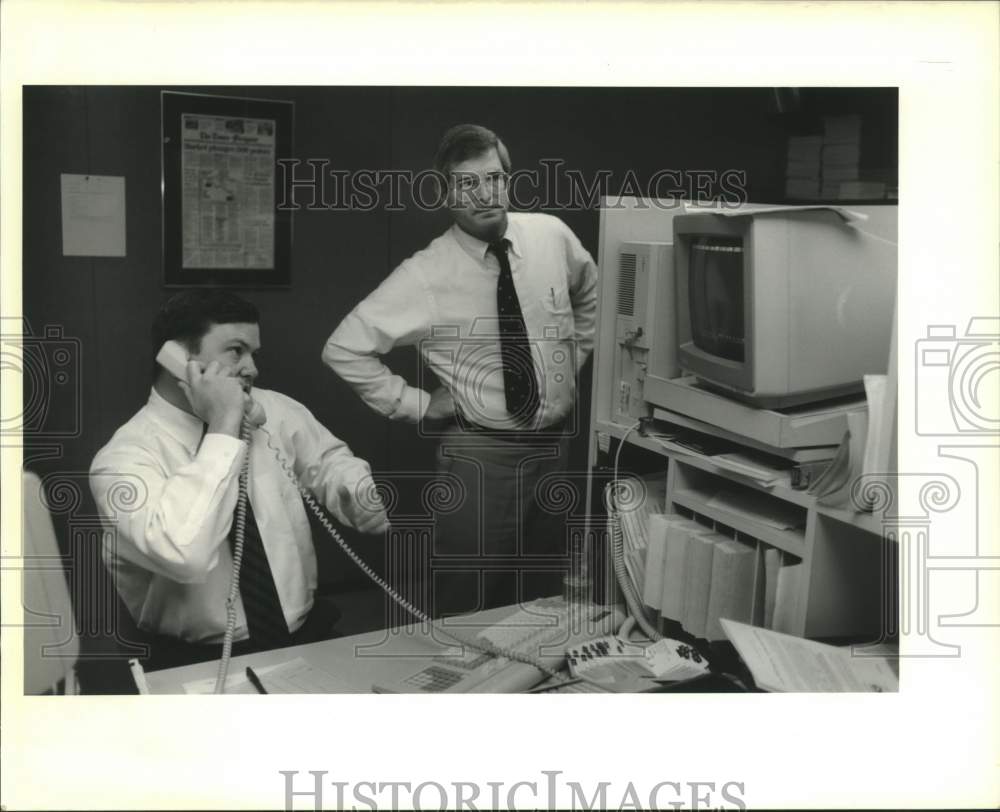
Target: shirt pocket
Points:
(555, 353)
(556, 302)
(557, 314)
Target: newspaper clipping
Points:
(227, 166)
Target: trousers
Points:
(502, 539)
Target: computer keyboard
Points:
(542, 630)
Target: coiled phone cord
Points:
(632, 598)
(484, 646)
(234, 579)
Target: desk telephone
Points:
(507, 658)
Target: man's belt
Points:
(519, 435)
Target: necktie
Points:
(519, 382)
(265, 619)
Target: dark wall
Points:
(106, 305)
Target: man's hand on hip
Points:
(441, 406)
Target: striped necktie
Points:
(265, 617)
(519, 382)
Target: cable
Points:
(484, 646)
(632, 599)
(234, 579)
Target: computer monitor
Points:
(779, 307)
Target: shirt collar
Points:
(184, 427)
(479, 249)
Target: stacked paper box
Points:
(786, 599)
(802, 173)
(656, 532)
(772, 564)
(663, 531)
(841, 152)
(828, 166)
(676, 580)
(843, 177)
(731, 594)
(701, 547)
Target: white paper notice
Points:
(93, 216)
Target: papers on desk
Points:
(236, 682)
(293, 677)
(783, 663)
(298, 677)
(691, 444)
(751, 469)
(721, 454)
(849, 216)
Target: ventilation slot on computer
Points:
(626, 284)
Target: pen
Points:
(255, 681)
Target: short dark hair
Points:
(460, 143)
(465, 141)
(187, 316)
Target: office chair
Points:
(51, 646)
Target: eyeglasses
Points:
(471, 182)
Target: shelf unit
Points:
(839, 589)
(847, 566)
(848, 569)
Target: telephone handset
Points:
(174, 358)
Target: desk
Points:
(360, 660)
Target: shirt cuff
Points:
(220, 451)
(412, 405)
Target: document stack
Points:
(829, 166)
(802, 173)
(696, 576)
(841, 154)
(843, 176)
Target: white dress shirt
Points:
(443, 299)
(166, 496)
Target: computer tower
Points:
(645, 333)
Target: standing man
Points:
(502, 307)
(169, 550)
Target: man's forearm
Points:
(377, 386)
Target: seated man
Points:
(170, 549)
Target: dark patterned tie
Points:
(519, 382)
(265, 618)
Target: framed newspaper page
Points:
(222, 224)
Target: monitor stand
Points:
(786, 432)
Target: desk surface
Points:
(359, 661)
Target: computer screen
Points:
(716, 297)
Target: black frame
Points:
(173, 105)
